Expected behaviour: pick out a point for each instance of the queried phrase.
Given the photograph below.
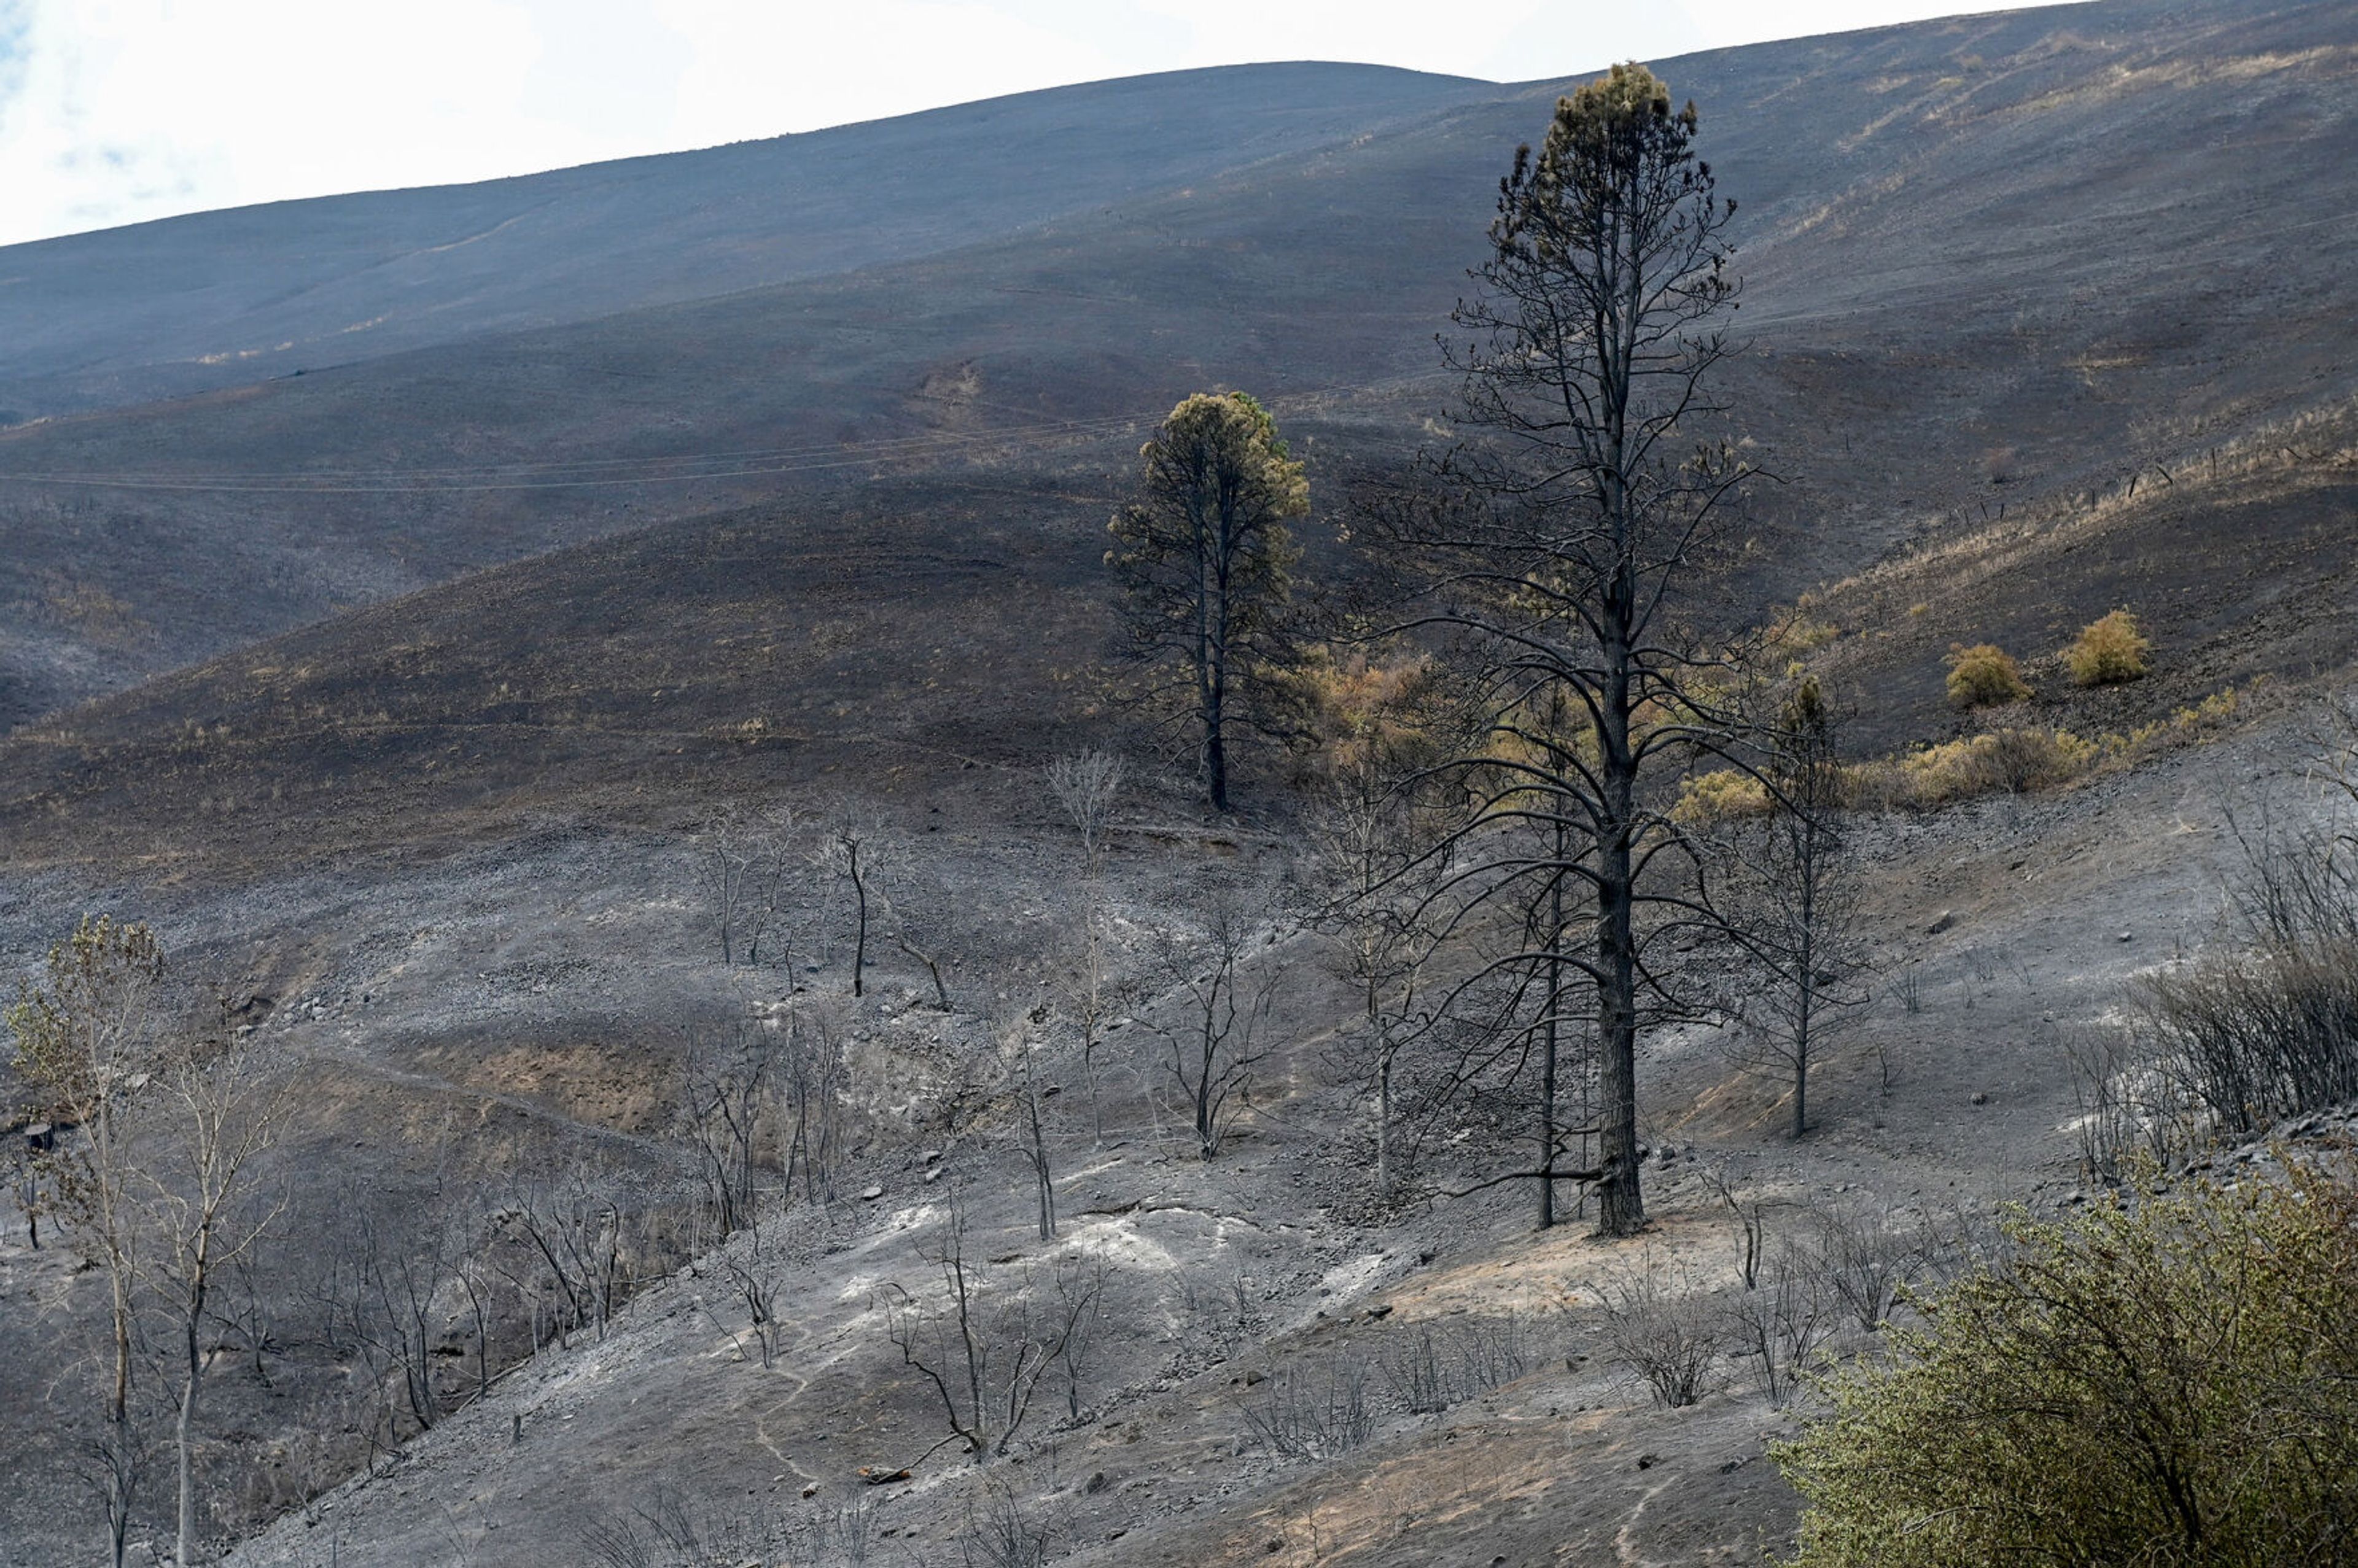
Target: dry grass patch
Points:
(2017, 759)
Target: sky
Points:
(117, 111)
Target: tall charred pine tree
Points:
(1206, 563)
(1556, 547)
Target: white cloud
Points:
(115, 111)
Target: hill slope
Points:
(221, 298)
(1987, 261)
(416, 731)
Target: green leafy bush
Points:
(1984, 676)
(2173, 1381)
(2109, 651)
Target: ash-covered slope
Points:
(1989, 261)
(453, 840)
(222, 299)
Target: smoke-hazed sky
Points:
(115, 111)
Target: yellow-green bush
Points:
(1984, 676)
(2109, 651)
(2012, 762)
(2015, 760)
(2185, 725)
(1724, 794)
(2169, 1383)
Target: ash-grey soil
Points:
(496, 984)
(2049, 315)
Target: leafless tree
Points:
(2265, 1026)
(217, 1110)
(1556, 548)
(1751, 1226)
(1368, 827)
(1779, 1325)
(88, 1037)
(839, 1538)
(723, 872)
(478, 1282)
(1025, 1083)
(1868, 1255)
(1081, 1308)
(573, 1222)
(728, 1096)
(1791, 900)
(1508, 1051)
(1001, 1534)
(1087, 784)
(1316, 1410)
(1437, 1363)
(755, 1276)
(980, 1341)
(1221, 1002)
(815, 1074)
(745, 863)
(2129, 1107)
(389, 1282)
(1661, 1330)
(22, 1175)
(667, 1530)
(849, 853)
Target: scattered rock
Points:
(1980, 1098)
(2126, 937)
(1648, 1460)
(1941, 922)
(871, 1194)
(1097, 1483)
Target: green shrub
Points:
(2109, 651)
(1984, 676)
(2170, 1383)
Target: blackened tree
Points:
(1557, 547)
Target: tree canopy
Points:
(1206, 561)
